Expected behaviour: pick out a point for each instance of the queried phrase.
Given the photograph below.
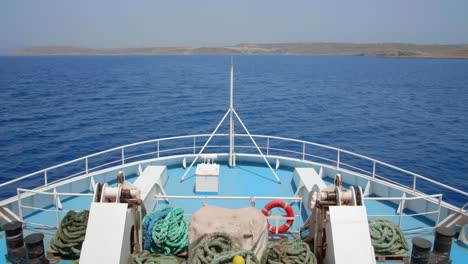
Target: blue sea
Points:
(412, 113)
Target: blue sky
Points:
(118, 24)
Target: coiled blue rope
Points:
(148, 223)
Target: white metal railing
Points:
(301, 150)
(251, 201)
(21, 193)
(400, 214)
(55, 208)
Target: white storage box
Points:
(207, 178)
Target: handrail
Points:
(366, 158)
(207, 197)
(56, 201)
(100, 153)
(191, 148)
(400, 214)
(403, 198)
(54, 193)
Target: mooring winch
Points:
(322, 223)
(125, 192)
(114, 223)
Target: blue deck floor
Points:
(243, 180)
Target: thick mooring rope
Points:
(71, 233)
(288, 252)
(387, 238)
(219, 248)
(165, 231)
(145, 257)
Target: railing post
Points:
(438, 215)
(268, 146)
(86, 166)
(252, 201)
(277, 224)
(414, 183)
(157, 149)
(45, 179)
(303, 150)
(20, 206)
(374, 165)
(123, 155)
(194, 145)
(56, 210)
(400, 217)
(298, 216)
(338, 159)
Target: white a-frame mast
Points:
(232, 155)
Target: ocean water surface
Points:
(411, 113)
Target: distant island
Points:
(388, 50)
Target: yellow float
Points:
(238, 260)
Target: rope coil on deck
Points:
(387, 238)
(219, 248)
(289, 252)
(165, 231)
(71, 233)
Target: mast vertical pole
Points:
(232, 158)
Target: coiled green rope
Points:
(387, 238)
(169, 234)
(145, 257)
(71, 233)
(289, 252)
(219, 248)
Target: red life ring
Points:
(289, 213)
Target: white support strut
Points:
(255, 143)
(204, 146)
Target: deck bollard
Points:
(35, 249)
(14, 242)
(421, 251)
(442, 245)
(443, 240)
(14, 235)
